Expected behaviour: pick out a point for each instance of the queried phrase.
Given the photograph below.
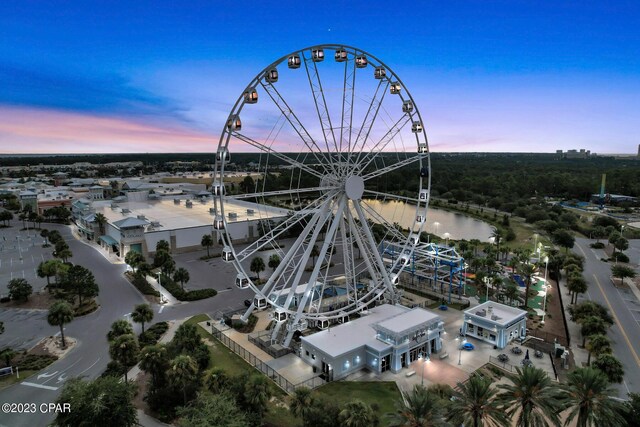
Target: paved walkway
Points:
(580, 355)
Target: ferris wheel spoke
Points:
(369, 119)
(321, 105)
(390, 168)
(265, 194)
(379, 147)
(394, 196)
(280, 156)
(348, 96)
(297, 126)
(382, 220)
(277, 231)
(365, 250)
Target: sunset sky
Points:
(160, 76)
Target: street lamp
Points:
(546, 289)
(485, 279)
(424, 363)
(460, 351)
(436, 225)
(446, 237)
(535, 242)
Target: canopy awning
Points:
(108, 240)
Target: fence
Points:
(548, 337)
(251, 359)
(502, 365)
(262, 340)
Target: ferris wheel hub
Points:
(354, 187)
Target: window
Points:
(470, 328)
(313, 356)
(306, 352)
(492, 337)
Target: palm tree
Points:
(207, 242)
(527, 271)
(622, 271)
(274, 261)
(589, 400)
(142, 313)
(162, 245)
(598, 344)
(125, 351)
(257, 265)
(118, 328)
(532, 399)
(181, 275)
(217, 381)
(576, 285)
(60, 313)
(101, 220)
(154, 360)
(257, 393)
(497, 235)
(592, 325)
(417, 408)
(610, 366)
(182, 372)
(511, 292)
(475, 404)
(301, 404)
(357, 414)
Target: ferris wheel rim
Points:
(227, 135)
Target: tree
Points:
(118, 328)
(563, 238)
(142, 313)
(598, 344)
(257, 265)
(314, 253)
(497, 235)
(45, 235)
(212, 410)
(217, 381)
(622, 272)
(621, 244)
(592, 325)
(19, 289)
(257, 394)
(45, 271)
(610, 366)
(7, 354)
(160, 258)
(475, 404)
(631, 409)
(586, 309)
(207, 242)
(124, 350)
(154, 360)
(527, 271)
(102, 402)
(134, 259)
(248, 184)
(181, 275)
(511, 292)
(357, 414)
(613, 238)
(274, 261)
(417, 408)
(6, 216)
(64, 254)
(532, 399)
(576, 285)
(60, 313)
(81, 281)
(101, 220)
(163, 245)
(589, 400)
(301, 405)
(182, 373)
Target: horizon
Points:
(89, 78)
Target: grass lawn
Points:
(384, 394)
(8, 380)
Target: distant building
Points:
(30, 199)
(573, 154)
(613, 199)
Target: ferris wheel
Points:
(339, 172)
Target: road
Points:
(623, 305)
(90, 356)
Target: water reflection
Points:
(439, 221)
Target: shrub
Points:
(114, 369)
(597, 245)
(620, 257)
(35, 362)
(153, 334)
(141, 284)
(5, 299)
(85, 308)
(170, 285)
(240, 326)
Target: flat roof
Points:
(355, 333)
(173, 216)
(405, 323)
(504, 314)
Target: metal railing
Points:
(261, 366)
(502, 365)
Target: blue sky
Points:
(161, 76)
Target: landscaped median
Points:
(180, 294)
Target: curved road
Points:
(90, 356)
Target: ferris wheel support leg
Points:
(245, 317)
(329, 237)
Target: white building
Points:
(495, 323)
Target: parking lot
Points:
(21, 252)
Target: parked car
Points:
(467, 346)
(247, 303)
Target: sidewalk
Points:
(580, 355)
(164, 294)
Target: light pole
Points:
(436, 225)
(446, 237)
(486, 285)
(546, 289)
(460, 352)
(424, 362)
(535, 242)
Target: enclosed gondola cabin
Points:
(218, 189)
(234, 123)
(380, 73)
(341, 55)
(394, 279)
(259, 303)
(317, 55)
(227, 254)
(222, 155)
(422, 148)
(323, 323)
(293, 61)
(271, 75)
(279, 315)
(424, 194)
(416, 127)
(361, 61)
(251, 96)
(424, 172)
(407, 106)
(414, 239)
(420, 219)
(394, 88)
(242, 281)
(218, 223)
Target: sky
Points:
(162, 76)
